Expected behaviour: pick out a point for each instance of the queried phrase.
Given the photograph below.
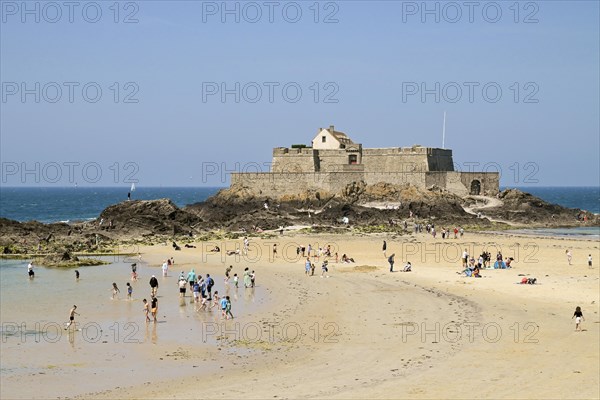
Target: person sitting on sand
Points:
(346, 259)
(407, 267)
(215, 249)
(476, 273)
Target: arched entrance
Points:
(475, 187)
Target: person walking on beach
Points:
(165, 268)
(129, 291)
(252, 279)
(154, 308)
(391, 261)
(115, 291)
(228, 308)
(210, 282)
(246, 244)
(227, 272)
(324, 269)
(590, 261)
(153, 286)
(30, 271)
(76, 275)
(578, 315)
(465, 258)
(307, 266)
(384, 248)
(224, 307)
(275, 250)
(72, 315)
(569, 256)
(236, 280)
(216, 298)
(182, 285)
(247, 281)
(196, 291)
(191, 278)
(146, 310)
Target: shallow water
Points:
(588, 232)
(112, 341)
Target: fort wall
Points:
(290, 183)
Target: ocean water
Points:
(50, 204)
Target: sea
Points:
(69, 204)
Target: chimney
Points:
(331, 128)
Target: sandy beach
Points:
(361, 333)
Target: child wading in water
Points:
(129, 291)
(115, 291)
(224, 307)
(146, 310)
(215, 299)
(578, 315)
(228, 308)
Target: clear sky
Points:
(189, 93)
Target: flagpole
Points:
(444, 132)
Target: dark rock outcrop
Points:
(147, 217)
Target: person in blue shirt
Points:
(196, 291)
(307, 266)
(191, 278)
(224, 307)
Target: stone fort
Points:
(334, 161)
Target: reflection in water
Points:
(249, 294)
(71, 335)
(151, 334)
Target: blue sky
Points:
(161, 119)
